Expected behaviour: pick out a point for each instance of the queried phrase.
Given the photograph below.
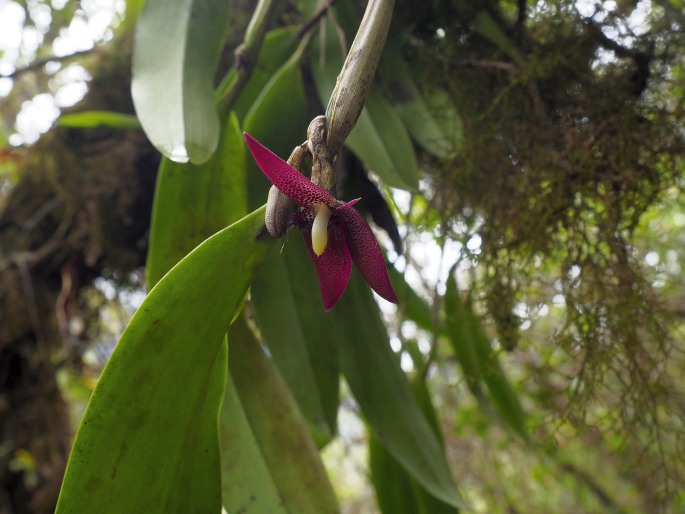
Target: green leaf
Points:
(480, 363)
(396, 491)
(246, 480)
(289, 311)
(280, 107)
(461, 337)
(393, 486)
(278, 46)
(279, 429)
(177, 46)
(427, 502)
(193, 202)
(148, 435)
(445, 114)
(385, 397)
(420, 120)
(278, 118)
(92, 119)
(382, 142)
(484, 23)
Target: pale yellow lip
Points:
(320, 229)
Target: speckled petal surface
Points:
(366, 253)
(286, 178)
(334, 266)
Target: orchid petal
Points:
(286, 178)
(333, 267)
(366, 253)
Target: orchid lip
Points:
(320, 229)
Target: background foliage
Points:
(522, 161)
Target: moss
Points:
(562, 157)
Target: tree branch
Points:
(42, 62)
(311, 22)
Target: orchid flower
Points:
(334, 232)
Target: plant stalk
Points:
(354, 81)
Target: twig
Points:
(246, 53)
(589, 481)
(29, 292)
(42, 62)
(483, 63)
(43, 211)
(311, 22)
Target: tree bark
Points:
(80, 210)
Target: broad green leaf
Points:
(502, 394)
(427, 502)
(445, 114)
(279, 428)
(280, 109)
(278, 46)
(379, 137)
(392, 484)
(192, 202)
(385, 397)
(382, 142)
(484, 23)
(396, 491)
(480, 363)
(419, 119)
(278, 118)
(287, 304)
(423, 397)
(247, 483)
(140, 444)
(461, 337)
(92, 119)
(177, 46)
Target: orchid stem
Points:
(356, 76)
(246, 54)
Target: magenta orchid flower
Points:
(334, 232)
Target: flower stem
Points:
(245, 57)
(354, 81)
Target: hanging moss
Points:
(564, 150)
